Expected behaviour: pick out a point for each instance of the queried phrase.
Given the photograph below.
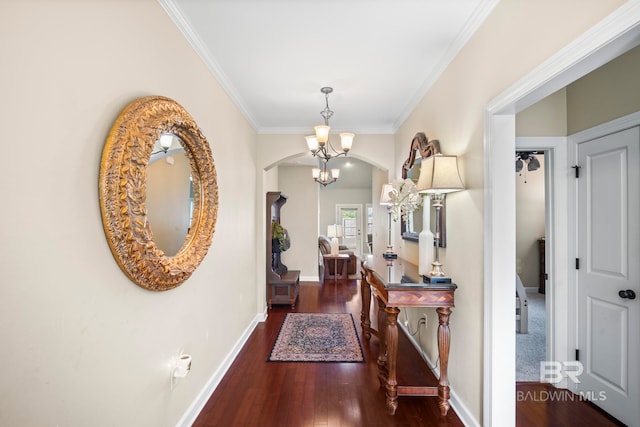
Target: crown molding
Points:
(469, 29)
(196, 43)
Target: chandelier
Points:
(321, 148)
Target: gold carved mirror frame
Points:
(122, 188)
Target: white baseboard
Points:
(458, 406)
(203, 397)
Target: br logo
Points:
(553, 372)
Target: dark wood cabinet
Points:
(542, 275)
(282, 283)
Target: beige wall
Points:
(515, 38)
(81, 344)
(607, 93)
(300, 217)
(545, 118)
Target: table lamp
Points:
(385, 200)
(438, 176)
(334, 231)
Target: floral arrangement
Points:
(279, 237)
(404, 198)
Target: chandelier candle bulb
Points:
(346, 141)
(322, 134)
(312, 143)
(166, 139)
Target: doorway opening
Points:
(350, 217)
(531, 279)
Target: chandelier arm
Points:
(335, 152)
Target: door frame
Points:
(557, 295)
(357, 207)
(614, 35)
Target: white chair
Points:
(522, 313)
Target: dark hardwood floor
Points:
(255, 392)
(543, 405)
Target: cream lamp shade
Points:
(334, 230)
(312, 142)
(346, 141)
(385, 198)
(322, 134)
(439, 175)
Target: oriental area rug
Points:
(317, 337)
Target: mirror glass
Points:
(413, 225)
(169, 196)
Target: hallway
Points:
(255, 392)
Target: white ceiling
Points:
(380, 56)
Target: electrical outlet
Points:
(426, 319)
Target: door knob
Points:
(629, 293)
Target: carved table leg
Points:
(443, 351)
(365, 293)
(382, 337)
(392, 356)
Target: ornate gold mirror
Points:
(123, 192)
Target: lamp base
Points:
(436, 268)
(437, 279)
(335, 246)
(389, 253)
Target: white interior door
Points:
(350, 216)
(609, 254)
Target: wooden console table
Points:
(396, 283)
